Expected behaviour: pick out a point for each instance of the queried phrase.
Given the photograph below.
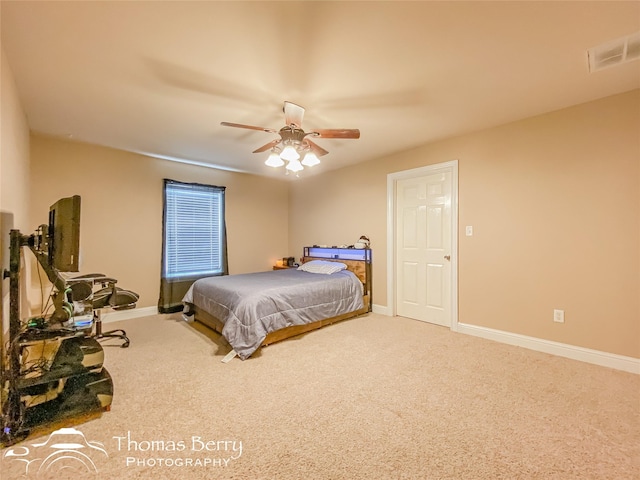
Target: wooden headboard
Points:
(357, 261)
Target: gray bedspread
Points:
(254, 304)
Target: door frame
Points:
(392, 178)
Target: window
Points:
(194, 231)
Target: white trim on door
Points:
(392, 178)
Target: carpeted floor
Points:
(368, 398)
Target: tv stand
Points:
(53, 373)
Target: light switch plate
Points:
(469, 230)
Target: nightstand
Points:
(282, 267)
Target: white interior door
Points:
(423, 248)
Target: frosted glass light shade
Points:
(289, 153)
(274, 160)
(295, 166)
(310, 159)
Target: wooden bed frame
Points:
(362, 269)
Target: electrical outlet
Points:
(558, 316)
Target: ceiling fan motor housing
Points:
(291, 135)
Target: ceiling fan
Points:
(294, 143)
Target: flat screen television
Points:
(64, 234)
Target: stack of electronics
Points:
(52, 368)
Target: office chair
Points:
(108, 295)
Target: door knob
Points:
(447, 257)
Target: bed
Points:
(257, 309)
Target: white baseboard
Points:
(596, 357)
(381, 309)
(128, 314)
(604, 359)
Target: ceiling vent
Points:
(614, 53)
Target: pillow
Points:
(322, 266)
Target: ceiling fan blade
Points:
(293, 114)
(268, 146)
(315, 148)
(337, 133)
(250, 127)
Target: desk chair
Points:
(107, 295)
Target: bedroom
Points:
(548, 200)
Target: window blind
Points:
(194, 230)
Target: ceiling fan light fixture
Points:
(274, 160)
(310, 159)
(290, 154)
(294, 147)
(294, 166)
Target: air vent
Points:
(614, 53)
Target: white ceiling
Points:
(159, 77)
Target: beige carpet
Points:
(369, 398)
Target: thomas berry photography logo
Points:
(195, 452)
(66, 449)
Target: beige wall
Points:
(14, 173)
(121, 212)
(554, 201)
(14, 151)
(555, 205)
